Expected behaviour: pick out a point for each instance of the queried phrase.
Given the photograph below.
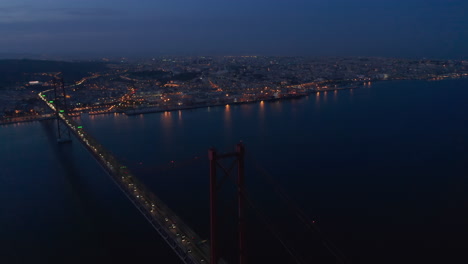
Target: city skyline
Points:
(432, 29)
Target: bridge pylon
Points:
(60, 104)
(238, 156)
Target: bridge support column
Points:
(240, 182)
(60, 104)
(213, 218)
(241, 201)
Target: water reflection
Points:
(227, 117)
(166, 124)
(180, 117)
(166, 117)
(317, 100)
(227, 122)
(261, 111)
(63, 153)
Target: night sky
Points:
(396, 28)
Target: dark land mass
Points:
(20, 71)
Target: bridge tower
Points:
(214, 158)
(60, 104)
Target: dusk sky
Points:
(396, 28)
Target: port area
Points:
(147, 110)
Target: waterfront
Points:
(381, 169)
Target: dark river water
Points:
(381, 170)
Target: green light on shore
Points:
(62, 111)
(43, 95)
(51, 102)
(80, 126)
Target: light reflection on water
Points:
(167, 126)
(261, 111)
(227, 121)
(317, 100)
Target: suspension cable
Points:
(310, 224)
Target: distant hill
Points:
(19, 71)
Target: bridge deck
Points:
(183, 240)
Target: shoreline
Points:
(154, 110)
(29, 119)
(150, 110)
